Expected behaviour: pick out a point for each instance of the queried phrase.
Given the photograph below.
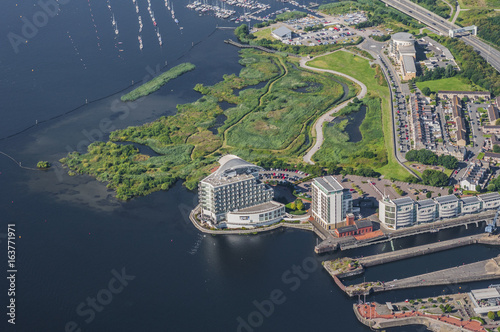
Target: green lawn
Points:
(448, 84)
(264, 33)
(360, 69)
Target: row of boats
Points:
(220, 12)
(169, 7)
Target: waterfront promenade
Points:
(250, 231)
(369, 315)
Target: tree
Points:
(450, 191)
(428, 195)
(449, 71)
(496, 148)
(434, 178)
(426, 91)
(478, 188)
(491, 187)
(492, 315)
(293, 206)
(299, 204)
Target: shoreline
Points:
(255, 231)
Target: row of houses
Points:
(406, 212)
(475, 175)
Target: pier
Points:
(419, 251)
(483, 270)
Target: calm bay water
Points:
(74, 233)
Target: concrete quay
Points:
(378, 316)
(482, 270)
(196, 223)
(346, 243)
(419, 250)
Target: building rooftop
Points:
(446, 199)
(470, 200)
(403, 36)
(232, 169)
(329, 183)
(410, 49)
(478, 93)
(409, 64)
(492, 155)
(426, 202)
(260, 208)
(403, 201)
(281, 32)
(345, 229)
(492, 113)
(489, 197)
(485, 293)
(363, 223)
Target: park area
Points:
(448, 84)
(264, 112)
(375, 149)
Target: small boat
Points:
(176, 21)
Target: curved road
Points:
(318, 125)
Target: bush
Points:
(492, 315)
(43, 164)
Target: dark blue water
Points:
(75, 237)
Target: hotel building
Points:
(234, 197)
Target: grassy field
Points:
(448, 84)
(479, 4)
(263, 33)
(157, 82)
(290, 102)
(360, 69)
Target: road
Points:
(327, 116)
(442, 26)
(398, 109)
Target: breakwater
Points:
(483, 270)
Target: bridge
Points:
(453, 32)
